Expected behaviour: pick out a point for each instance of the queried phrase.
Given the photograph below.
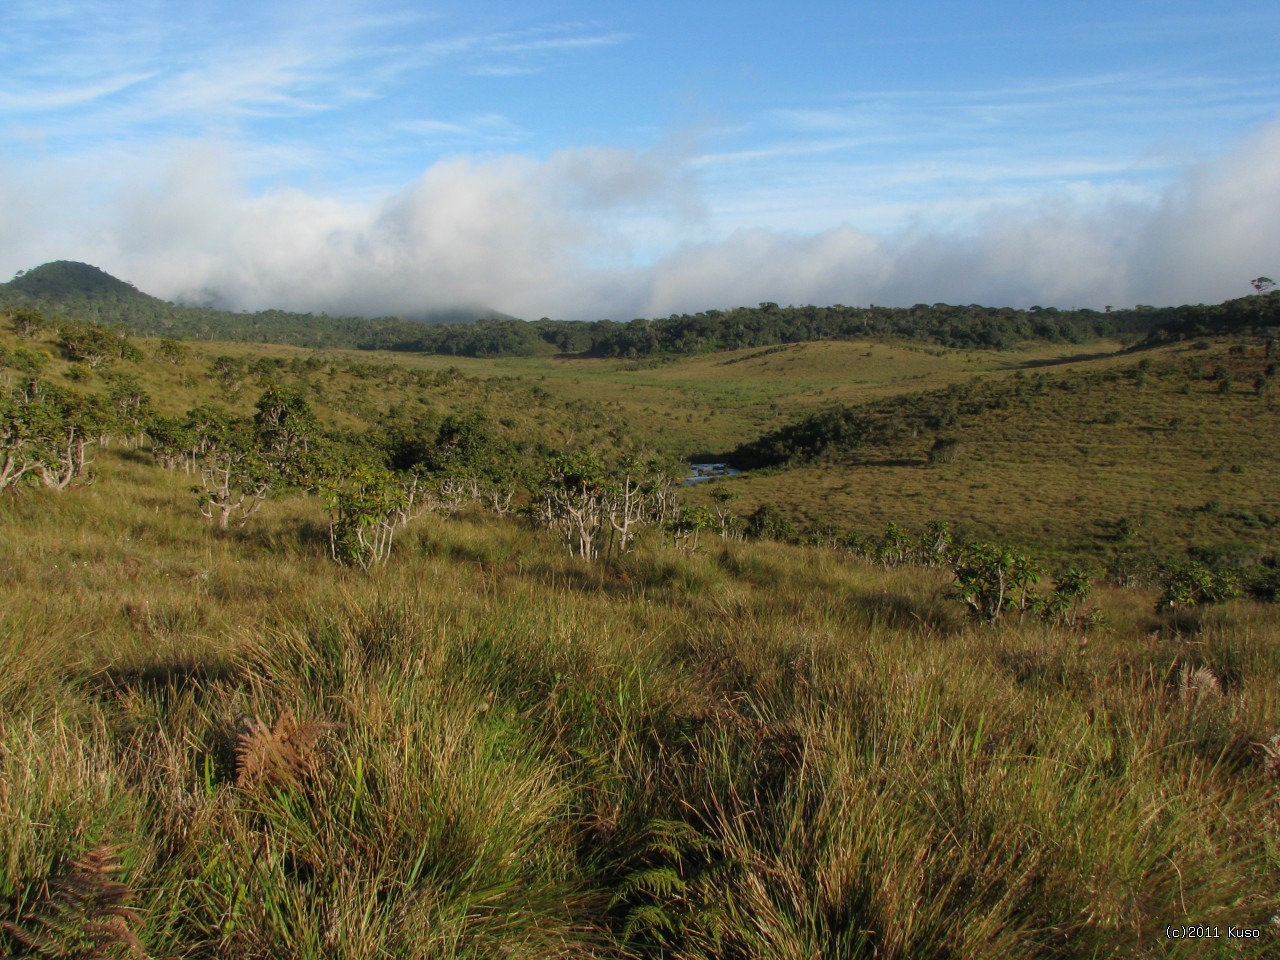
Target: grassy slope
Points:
(756, 750)
(348, 389)
(768, 750)
(712, 402)
(1061, 464)
(1055, 471)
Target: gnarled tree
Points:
(234, 477)
(46, 434)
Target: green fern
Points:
(650, 920)
(656, 888)
(658, 882)
(675, 839)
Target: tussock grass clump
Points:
(489, 748)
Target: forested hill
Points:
(83, 292)
(970, 326)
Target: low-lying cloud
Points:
(574, 235)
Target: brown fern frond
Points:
(85, 913)
(281, 754)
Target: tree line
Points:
(86, 293)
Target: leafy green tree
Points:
(858, 544)
(227, 372)
(465, 457)
(95, 346)
(16, 459)
(988, 576)
(173, 441)
(571, 501)
(1193, 584)
(641, 494)
(687, 525)
(234, 477)
(31, 363)
(366, 507)
(27, 321)
(130, 404)
(598, 508)
(895, 547)
(731, 525)
(73, 425)
(767, 522)
(46, 434)
(1065, 605)
(935, 544)
(471, 457)
(172, 351)
(285, 430)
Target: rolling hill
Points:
(83, 292)
(222, 743)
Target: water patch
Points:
(701, 472)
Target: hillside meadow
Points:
(1161, 451)
(225, 744)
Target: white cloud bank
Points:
(569, 236)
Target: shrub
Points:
(1064, 606)
(895, 546)
(989, 576)
(1193, 584)
(945, 450)
(30, 362)
(936, 543)
(366, 507)
(1263, 582)
(26, 321)
(767, 522)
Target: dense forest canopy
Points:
(971, 326)
(84, 292)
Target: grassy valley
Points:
(707, 736)
(1161, 448)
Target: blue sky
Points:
(589, 160)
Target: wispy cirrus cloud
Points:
(81, 76)
(129, 77)
(511, 53)
(880, 159)
(486, 128)
(32, 101)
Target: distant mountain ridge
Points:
(67, 277)
(84, 292)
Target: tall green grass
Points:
(488, 748)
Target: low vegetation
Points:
(451, 666)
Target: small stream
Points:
(701, 472)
